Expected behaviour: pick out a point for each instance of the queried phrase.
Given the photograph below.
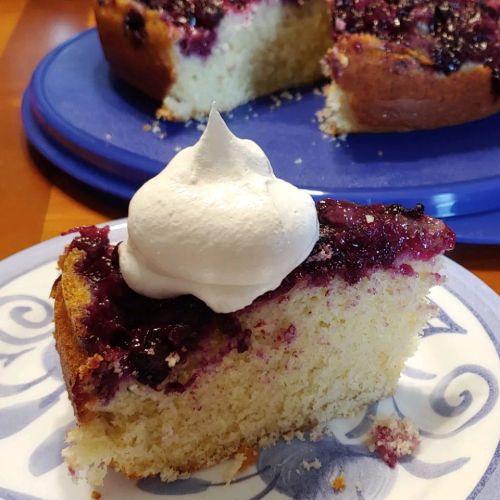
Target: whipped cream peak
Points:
(216, 223)
(221, 154)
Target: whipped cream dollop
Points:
(216, 223)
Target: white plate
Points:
(449, 389)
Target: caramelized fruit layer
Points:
(146, 338)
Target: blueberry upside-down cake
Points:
(188, 53)
(394, 65)
(221, 326)
(408, 64)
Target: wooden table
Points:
(36, 200)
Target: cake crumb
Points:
(338, 483)
(391, 438)
(146, 127)
(156, 130)
(108, 136)
(266, 441)
(300, 436)
(298, 161)
(313, 464)
(276, 101)
(177, 149)
(317, 433)
(286, 95)
(234, 467)
(250, 458)
(172, 359)
(96, 495)
(288, 437)
(201, 127)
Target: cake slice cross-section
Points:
(168, 386)
(236, 311)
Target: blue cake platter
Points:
(103, 133)
(479, 228)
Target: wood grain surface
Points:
(37, 201)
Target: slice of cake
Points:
(188, 53)
(229, 318)
(394, 65)
(405, 65)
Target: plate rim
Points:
(64, 160)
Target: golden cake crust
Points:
(72, 295)
(398, 91)
(146, 63)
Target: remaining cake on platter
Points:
(236, 312)
(393, 65)
(404, 65)
(188, 53)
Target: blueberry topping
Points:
(134, 26)
(146, 339)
